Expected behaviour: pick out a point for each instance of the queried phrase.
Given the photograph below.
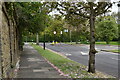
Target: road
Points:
(106, 62)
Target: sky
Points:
(115, 8)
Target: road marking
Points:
(115, 59)
(84, 53)
(68, 54)
(97, 49)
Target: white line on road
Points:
(97, 49)
(68, 54)
(115, 59)
(84, 53)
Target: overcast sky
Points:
(115, 8)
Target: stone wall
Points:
(0, 38)
(9, 50)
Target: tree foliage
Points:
(89, 10)
(32, 17)
(55, 24)
(106, 28)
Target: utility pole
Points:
(37, 39)
(44, 37)
(61, 36)
(70, 37)
(54, 36)
(26, 39)
(44, 42)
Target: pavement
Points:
(33, 65)
(106, 62)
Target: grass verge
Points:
(67, 66)
(97, 43)
(104, 43)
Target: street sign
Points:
(66, 30)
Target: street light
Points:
(66, 30)
(26, 39)
(61, 36)
(54, 36)
(37, 39)
(76, 35)
(70, 37)
(54, 32)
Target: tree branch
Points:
(101, 12)
(80, 14)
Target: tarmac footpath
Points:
(33, 65)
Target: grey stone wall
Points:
(9, 50)
(0, 38)
(5, 46)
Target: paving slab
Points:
(33, 65)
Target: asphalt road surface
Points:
(106, 62)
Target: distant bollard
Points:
(53, 43)
(56, 42)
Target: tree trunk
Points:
(70, 36)
(44, 42)
(20, 40)
(107, 41)
(37, 39)
(76, 37)
(92, 51)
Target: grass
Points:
(104, 43)
(77, 43)
(69, 42)
(98, 43)
(69, 67)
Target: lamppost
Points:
(26, 39)
(37, 39)
(70, 37)
(44, 41)
(76, 35)
(70, 32)
(61, 36)
(54, 36)
(66, 30)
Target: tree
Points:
(78, 25)
(54, 24)
(87, 10)
(106, 28)
(30, 18)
